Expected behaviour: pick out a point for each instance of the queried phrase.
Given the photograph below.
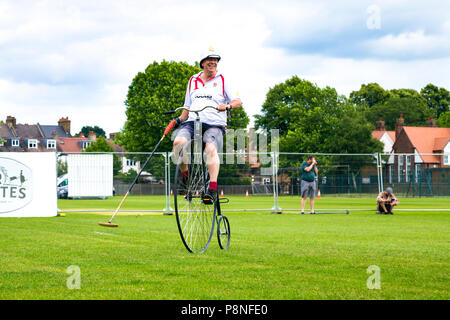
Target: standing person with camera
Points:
(308, 183)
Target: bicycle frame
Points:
(219, 219)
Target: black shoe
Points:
(210, 197)
(182, 185)
(188, 197)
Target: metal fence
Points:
(416, 175)
(276, 176)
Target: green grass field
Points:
(272, 256)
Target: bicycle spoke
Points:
(194, 218)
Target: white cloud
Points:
(409, 45)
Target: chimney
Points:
(65, 123)
(379, 126)
(113, 135)
(399, 125)
(431, 122)
(11, 122)
(92, 136)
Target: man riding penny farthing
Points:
(196, 146)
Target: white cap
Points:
(210, 53)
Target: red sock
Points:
(185, 174)
(213, 185)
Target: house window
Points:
(446, 159)
(32, 144)
(401, 167)
(408, 168)
(418, 173)
(86, 144)
(51, 144)
(14, 142)
(131, 163)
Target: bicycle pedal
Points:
(208, 200)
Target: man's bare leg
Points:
(178, 146)
(311, 204)
(212, 161)
(303, 204)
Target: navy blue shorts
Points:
(210, 133)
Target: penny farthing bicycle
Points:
(196, 218)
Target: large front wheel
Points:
(195, 219)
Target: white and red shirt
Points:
(212, 93)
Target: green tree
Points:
(313, 119)
(288, 103)
(127, 177)
(319, 132)
(161, 87)
(96, 129)
(101, 145)
(317, 120)
(438, 99)
(414, 109)
(239, 119)
(369, 95)
(444, 120)
(61, 167)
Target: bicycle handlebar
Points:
(190, 110)
(172, 123)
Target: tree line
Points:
(310, 119)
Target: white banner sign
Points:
(28, 184)
(90, 175)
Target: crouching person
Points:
(386, 201)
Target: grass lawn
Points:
(287, 256)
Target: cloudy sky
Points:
(76, 58)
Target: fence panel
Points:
(417, 175)
(275, 178)
(78, 168)
(350, 175)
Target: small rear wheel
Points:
(223, 232)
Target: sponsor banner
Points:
(28, 184)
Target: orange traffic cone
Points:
(221, 193)
(246, 193)
(318, 194)
(171, 192)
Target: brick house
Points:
(414, 150)
(387, 137)
(16, 137)
(420, 148)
